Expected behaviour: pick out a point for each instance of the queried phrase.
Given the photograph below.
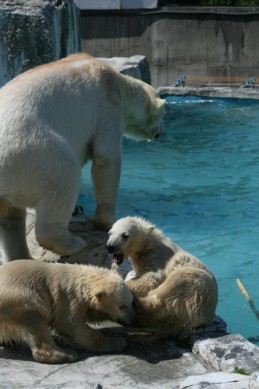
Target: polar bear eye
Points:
(125, 235)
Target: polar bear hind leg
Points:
(53, 195)
(52, 221)
(12, 232)
(59, 188)
(56, 237)
(36, 334)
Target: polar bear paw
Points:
(60, 241)
(104, 222)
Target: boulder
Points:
(228, 353)
(35, 32)
(136, 66)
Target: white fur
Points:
(53, 119)
(174, 291)
(36, 296)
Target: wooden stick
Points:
(248, 297)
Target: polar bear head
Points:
(110, 296)
(145, 111)
(130, 235)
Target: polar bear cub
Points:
(36, 296)
(53, 119)
(174, 291)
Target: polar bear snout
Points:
(110, 248)
(160, 130)
(117, 256)
(117, 250)
(128, 318)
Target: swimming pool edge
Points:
(209, 91)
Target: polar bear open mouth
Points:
(118, 258)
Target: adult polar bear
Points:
(52, 120)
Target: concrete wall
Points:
(208, 45)
(116, 4)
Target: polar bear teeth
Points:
(118, 258)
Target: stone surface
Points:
(144, 364)
(216, 381)
(136, 66)
(228, 352)
(147, 362)
(254, 380)
(245, 93)
(33, 32)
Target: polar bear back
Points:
(46, 102)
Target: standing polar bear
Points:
(53, 119)
(175, 292)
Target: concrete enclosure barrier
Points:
(208, 45)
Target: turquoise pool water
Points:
(200, 185)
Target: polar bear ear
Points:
(160, 106)
(150, 229)
(115, 268)
(100, 296)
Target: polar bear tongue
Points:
(118, 258)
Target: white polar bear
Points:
(53, 119)
(174, 291)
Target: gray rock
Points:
(145, 364)
(228, 352)
(216, 381)
(136, 66)
(254, 380)
(35, 32)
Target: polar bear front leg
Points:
(82, 337)
(106, 177)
